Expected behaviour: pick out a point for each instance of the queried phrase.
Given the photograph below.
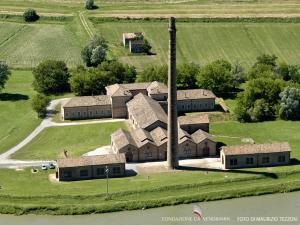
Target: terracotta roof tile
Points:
(256, 148)
(146, 111)
(91, 160)
(194, 94)
(88, 101)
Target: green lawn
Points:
(76, 139)
(25, 45)
(260, 132)
(16, 116)
(24, 192)
(204, 42)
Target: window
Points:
(281, 158)
(116, 170)
(67, 174)
(78, 113)
(233, 162)
(84, 173)
(91, 113)
(148, 154)
(96, 112)
(249, 160)
(100, 171)
(188, 151)
(265, 159)
(73, 114)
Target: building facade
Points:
(255, 155)
(114, 103)
(90, 167)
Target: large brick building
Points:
(148, 139)
(114, 104)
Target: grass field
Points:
(24, 192)
(202, 42)
(76, 139)
(192, 8)
(16, 116)
(25, 45)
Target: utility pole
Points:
(107, 172)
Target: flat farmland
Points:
(204, 42)
(157, 8)
(25, 45)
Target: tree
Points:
(89, 4)
(93, 81)
(216, 77)
(289, 72)
(94, 53)
(265, 66)
(51, 77)
(290, 104)
(146, 46)
(238, 74)
(259, 100)
(186, 75)
(30, 15)
(39, 104)
(154, 73)
(267, 60)
(4, 74)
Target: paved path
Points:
(47, 122)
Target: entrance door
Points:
(129, 156)
(206, 151)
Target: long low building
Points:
(114, 104)
(255, 155)
(90, 167)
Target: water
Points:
(277, 208)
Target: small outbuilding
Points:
(255, 155)
(90, 167)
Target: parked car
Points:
(44, 167)
(51, 165)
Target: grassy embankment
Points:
(23, 192)
(158, 8)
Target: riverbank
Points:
(39, 196)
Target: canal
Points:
(267, 209)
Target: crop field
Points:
(204, 42)
(157, 8)
(76, 139)
(25, 45)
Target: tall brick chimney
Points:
(172, 157)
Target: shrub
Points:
(146, 47)
(51, 77)
(39, 104)
(89, 4)
(290, 104)
(30, 15)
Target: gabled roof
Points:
(159, 136)
(142, 137)
(124, 89)
(194, 94)
(122, 138)
(193, 119)
(256, 148)
(88, 101)
(201, 135)
(183, 136)
(157, 88)
(146, 111)
(133, 35)
(91, 160)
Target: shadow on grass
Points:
(13, 97)
(266, 174)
